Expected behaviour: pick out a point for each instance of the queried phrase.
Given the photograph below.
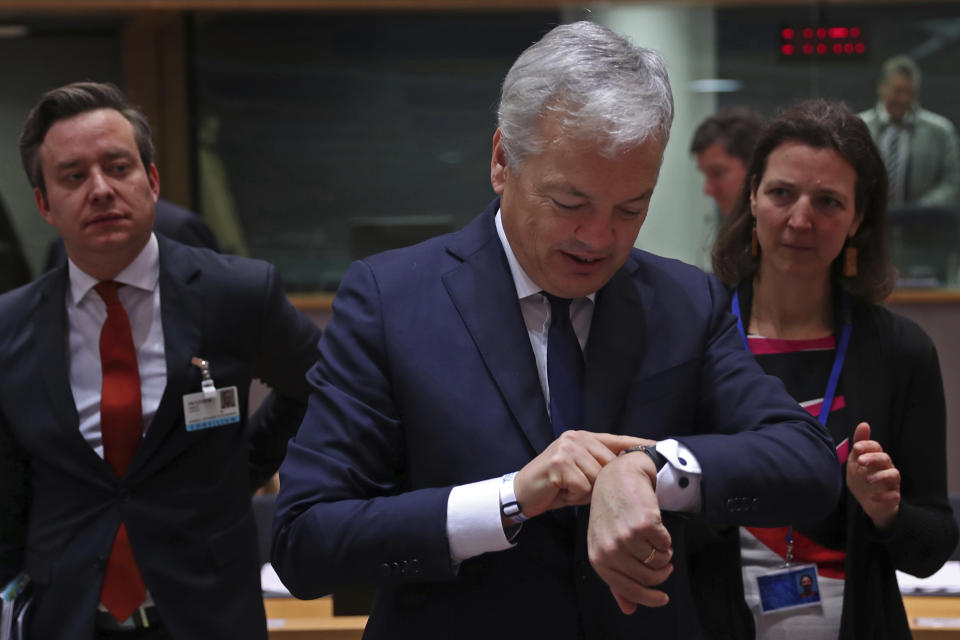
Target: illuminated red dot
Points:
(808, 33)
(860, 47)
(787, 49)
(808, 48)
(848, 48)
(821, 33)
(821, 48)
(854, 32)
(838, 48)
(838, 33)
(787, 34)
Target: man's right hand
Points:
(563, 475)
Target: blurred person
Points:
(806, 254)
(127, 459)
(920, 148)
(723, 144)
(14, 270)
(473, 387)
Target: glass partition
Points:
(323, 138)
(822, 58)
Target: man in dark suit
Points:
(450, 365)
(126, 457)
(170, 220)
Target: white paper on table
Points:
(946, 580)
(270, 582)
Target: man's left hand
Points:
(628, 545)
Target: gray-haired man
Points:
(536, 340)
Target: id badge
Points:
(792, 587)
(204, 410)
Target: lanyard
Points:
(837, 360)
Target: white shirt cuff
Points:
(474, 526)
(678, 482)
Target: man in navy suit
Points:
(162, 544)
(428, 463)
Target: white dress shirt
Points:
(474, 525)
(86, 313)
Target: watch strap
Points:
(659, 461)
(510, 508)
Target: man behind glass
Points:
(919, 147)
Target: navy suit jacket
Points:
(427, 380)
(186, 496)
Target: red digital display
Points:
(805, 42)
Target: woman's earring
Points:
(850, 262)
(754, 243)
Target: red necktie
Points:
(121, 425)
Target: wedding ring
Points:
(653, 552)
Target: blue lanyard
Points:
(837, 360)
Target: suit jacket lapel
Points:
(51, 317)
(181, 311)
(613, 350)
(51, 336)
(483, 292)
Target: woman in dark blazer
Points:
(806, 256)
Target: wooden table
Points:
(292, 619)
(933, 617)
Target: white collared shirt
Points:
(474, 525)
(86, 313)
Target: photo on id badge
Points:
(789, 588)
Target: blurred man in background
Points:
(723, 144)
(919, 147)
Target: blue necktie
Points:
(564, 368)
